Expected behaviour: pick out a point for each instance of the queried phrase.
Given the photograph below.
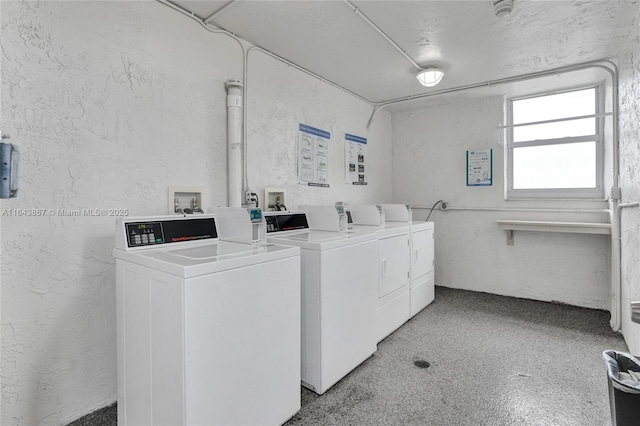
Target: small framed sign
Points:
(480, 167)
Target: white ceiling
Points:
(464, 38)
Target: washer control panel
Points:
(169, 231)
(142, 234)
(286, 222)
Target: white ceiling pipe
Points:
(557, 120)
(217, 13)
(202, 23)
(613, 71)
(234, 142)
(383, 34)
(518, 209)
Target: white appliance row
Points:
(221, 317)
(359, 284)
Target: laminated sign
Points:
(479, 167)
(355, 155)
(313, 156)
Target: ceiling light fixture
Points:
(429, 77)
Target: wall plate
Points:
(275, 199)
(635, 312)
(186, 199)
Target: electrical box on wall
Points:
(9, 157)
(186, 199)
(274, 199)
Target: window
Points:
(551, 151)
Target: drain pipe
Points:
(234, 142)
(616, 322)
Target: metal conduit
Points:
(557, 120)
(219, 11)
(514, 79)
(518, 209)
(383, 34)
(191, 15)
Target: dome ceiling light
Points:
(430, 77)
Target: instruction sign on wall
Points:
(480, 167)
(355, 153)
(313, 156)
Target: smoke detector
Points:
(502, 7)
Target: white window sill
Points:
(540, 226)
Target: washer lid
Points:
(418, 225)
(386, 230)
(398, 226)
(323, 240)
(187, 262)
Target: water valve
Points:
(250, 198)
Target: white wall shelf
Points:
(540, 226)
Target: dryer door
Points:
(393, 264)
(422, 256)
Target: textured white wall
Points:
(429, 164)
(111, 103)
(630, 181)
(108, 108)
(281, 97)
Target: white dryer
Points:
(422, 266)
(208, 331)
(393, 280)
(422, 255)
(339, 297)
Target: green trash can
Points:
(624, 387)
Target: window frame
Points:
(596, 193)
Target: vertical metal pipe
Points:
(234, 142)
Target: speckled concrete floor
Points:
(493, 361)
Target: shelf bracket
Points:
(509, 237)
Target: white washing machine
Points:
(339, 297)
(394, 269)
(422, 291)
(208, 330)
